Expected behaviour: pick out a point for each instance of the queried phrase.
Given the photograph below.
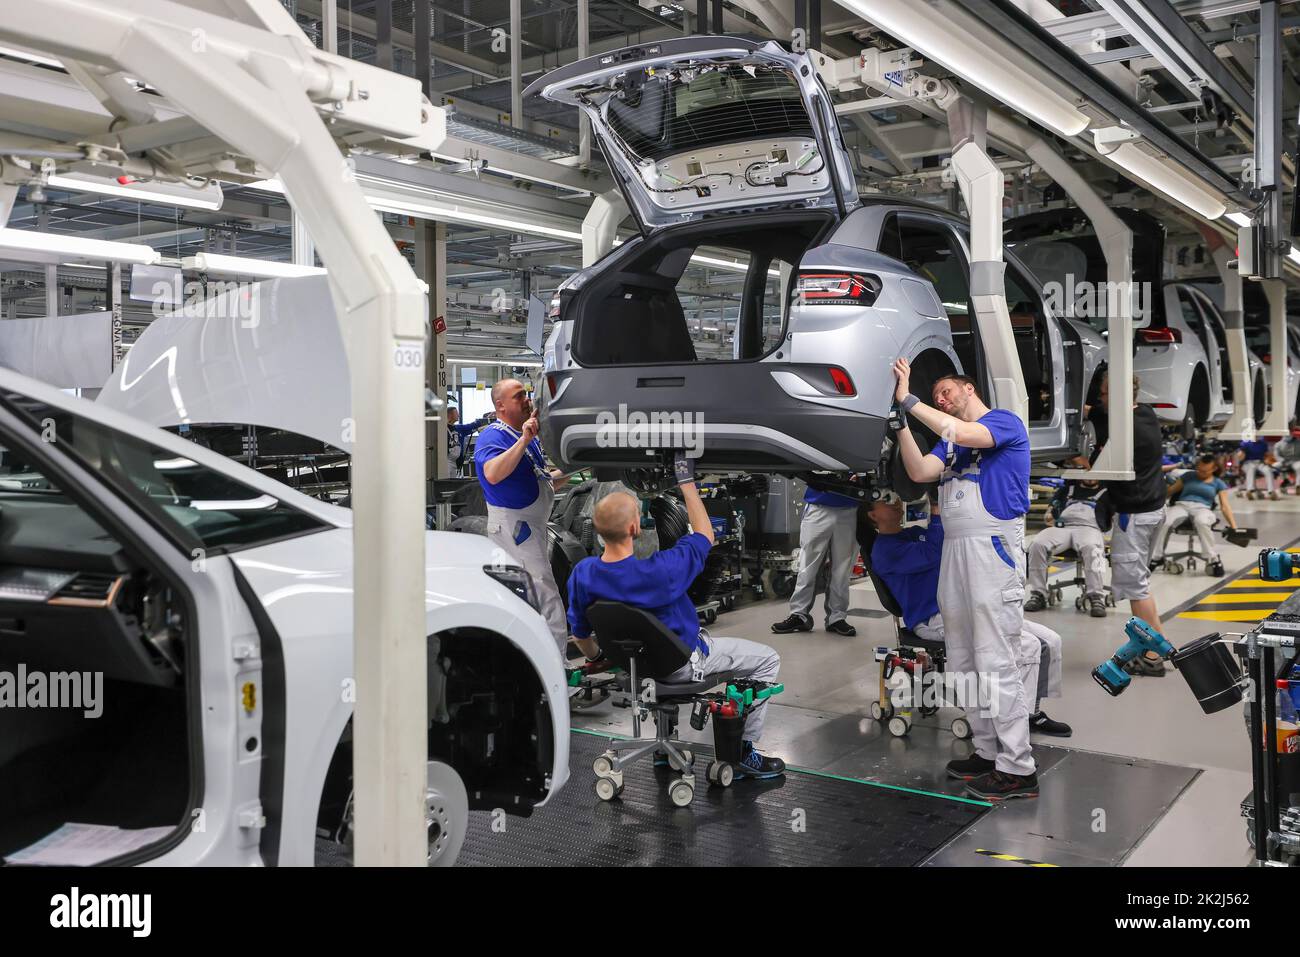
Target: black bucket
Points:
(1211, 671)
(728, 735)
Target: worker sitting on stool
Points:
(659, 585)
(1077, 527)
(907, 560)
(829, 523)
(1196, 498)
(1256, 458)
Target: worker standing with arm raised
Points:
(982, 465)
(519, 490)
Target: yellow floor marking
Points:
(1244, 599)
(1258, 615)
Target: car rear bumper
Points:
(727, 416)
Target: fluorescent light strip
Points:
(185, 196)
(447, 214)
(465, 360)
(1166, 179)
(14, 243)
(935, 39)
(1239, 219)
(253, 268)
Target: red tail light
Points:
(1267, 358)
(1159, 337)
(551, 384)
(837, 288)
(843, 384)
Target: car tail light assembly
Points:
(1159, 337)
(843, 382)
(837, 288)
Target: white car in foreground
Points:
(205, 611)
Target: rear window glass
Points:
(680, 110)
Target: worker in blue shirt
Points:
(519, 489)
(829, 524)
(982, 466)
(457, 433)
(907, 560)
(1256, 457)
(659, 584)
(1197, 495)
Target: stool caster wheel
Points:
(608, 788)
(1110, 600)
(1078, 603)
(1174, 568)
(604, 765)
(877, 712)
(677, 765)
(960, 729)
(681, 792)
(899, 726)
(720, 773)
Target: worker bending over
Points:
(1196, 499)
(907, 560)
(519, 489)
(1074, 507)
(982, 465)
(829, 524)
(1256, 458)
(659, 585)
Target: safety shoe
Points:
(1156, 563)
(965, 769)
(796, 622)
(1215, 568)
(1142, 666)
(841, 627)
(1097, 606)
(1040, 723)
(1000, 786)
(761, 766)
(1037, 601)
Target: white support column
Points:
(304, 250)
(329, 17)
(1116, 240)
(431, 267)
(600, 226)
(113, 299)
(982, 188)
(1277, 422)
(1241, 424)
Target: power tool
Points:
(1277, 565)
(1110, 674)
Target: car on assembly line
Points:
(726, 146)
(1259, 337)
(216, 605)
(1180, 349)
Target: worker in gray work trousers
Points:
(829, 524)
(519, 490)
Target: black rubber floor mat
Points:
(803, 819)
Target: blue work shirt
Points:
(458, 433)
(1207, 493)
(658, 584)
(1002, 472)
(830, 499)
(909, 564)
(1255, 451)
(519, 489)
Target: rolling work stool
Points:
(1055, 589)
(649, 651)
(912, 652)
(1174, 561)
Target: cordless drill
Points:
(1277, 565)
(1110, 674)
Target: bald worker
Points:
(519, 490)
(659, 585)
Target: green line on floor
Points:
(820, 774)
